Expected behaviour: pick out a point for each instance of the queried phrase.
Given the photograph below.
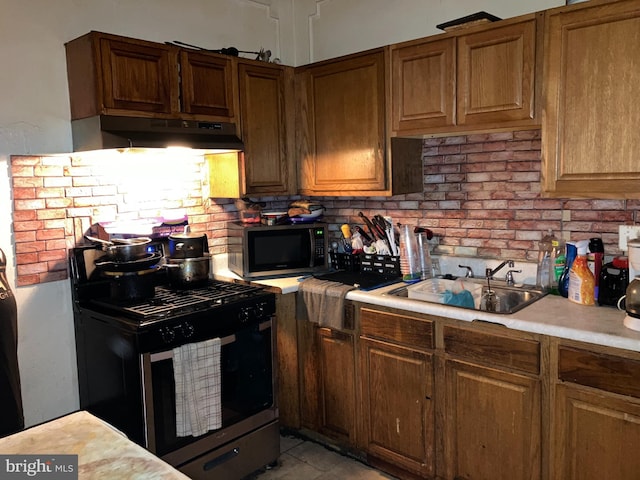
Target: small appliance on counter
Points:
(262, 251)
(614, 279)
(632, 298)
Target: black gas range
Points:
(126, 351)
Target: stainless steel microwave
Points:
(259, 251)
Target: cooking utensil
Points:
(131, 249)
(187, 244)
(346, 232)
(131, 286)
(362, 233)
(148, 261)
(391, 236)
(188, 272)
(369, 225)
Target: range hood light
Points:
(117, 132)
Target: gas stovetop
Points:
(170, 303)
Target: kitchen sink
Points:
(510, 298)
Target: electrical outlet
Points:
(626, 233)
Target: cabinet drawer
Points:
(498, 350)
(392, 327)
(607, 372)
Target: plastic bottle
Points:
(548, 251)
(581, 281)
(595, 259)
(563, 281)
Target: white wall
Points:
(34, 108)
(34, 119)
(330, 28)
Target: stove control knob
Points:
(167, 334)
(187, 329)
(260, 310)
(245, 314)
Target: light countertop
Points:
(552, 315)
(103, 452)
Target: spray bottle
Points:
(581, 281)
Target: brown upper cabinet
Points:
(343, 143)
(207, 85)
(266, 123)
(476, 79)
(592, 82)
(114, 75)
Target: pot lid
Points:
(186, 234)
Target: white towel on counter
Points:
(322, 302)
(196, 371)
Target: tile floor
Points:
(304, 459)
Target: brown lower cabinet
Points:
(327, 383)
(396, 391)
(597, 414)
(427, 397)
(492, 404)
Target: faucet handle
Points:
(469, 272)
(509, 276)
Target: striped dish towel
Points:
(196, 371)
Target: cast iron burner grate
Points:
(167, 302)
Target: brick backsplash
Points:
(59, 199)
(481, 197)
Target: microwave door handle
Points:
(312, 240)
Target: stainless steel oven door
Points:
(248, 395)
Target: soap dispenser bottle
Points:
(563, 281)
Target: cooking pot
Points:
(188, 245)
(123, 249)
(188, 272)
(139, 285)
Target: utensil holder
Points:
(345, 261)
(381, 264)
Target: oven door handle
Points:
(168, 354)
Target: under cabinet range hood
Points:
(108, 132)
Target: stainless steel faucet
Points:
(490, 273)
(509, 277)
(469, 272)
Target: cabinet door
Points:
(598, 436)
(343, 106)
(592, 82)
(496, 74)
(492, 424)
(264, 96)
(423, 85)
(138, 76)
(397, 410)
(208, 86)
(337, 384)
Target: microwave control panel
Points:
(320, 242)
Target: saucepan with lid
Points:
(188, 244)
